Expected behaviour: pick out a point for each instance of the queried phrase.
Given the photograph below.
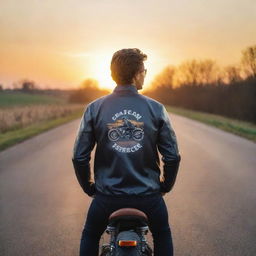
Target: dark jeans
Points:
(102, 206)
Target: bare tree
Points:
(28, 85)
(232, 74)
(165, 78)
(197, 72)
(90, 83)
(249, 61)
(187, 73)
(208, 72)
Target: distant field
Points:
(24, 115)
(241, 128)
(13, 137)
(12, 99)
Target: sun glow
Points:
(100, 69)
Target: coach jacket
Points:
(129, 130)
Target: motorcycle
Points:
(115, 134)
(127, 229)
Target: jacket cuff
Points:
(90, 190)
(163, 188)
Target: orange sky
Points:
(59, 43)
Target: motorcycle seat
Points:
(129, 212)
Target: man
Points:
(126, 169)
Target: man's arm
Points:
(168, 147)
(84, 144)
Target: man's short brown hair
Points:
(125, 64)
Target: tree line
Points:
(203, 85)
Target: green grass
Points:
(13, 137)
(12, 99)
(241, 128)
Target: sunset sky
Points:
(59, 43)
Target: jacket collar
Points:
(126, 88)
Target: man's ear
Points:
(135, 77)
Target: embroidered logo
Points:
(126, 131)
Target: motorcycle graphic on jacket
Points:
(127, 131)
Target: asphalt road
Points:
(212, 208)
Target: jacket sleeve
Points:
(84, 144)
(168, 147)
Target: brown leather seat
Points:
(128, 212)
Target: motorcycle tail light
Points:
(127, 243)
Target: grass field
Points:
(241, 128)
(24, 115)
(19, 117)
(15, 136)
(12, 99)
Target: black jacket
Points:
(129, 129)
